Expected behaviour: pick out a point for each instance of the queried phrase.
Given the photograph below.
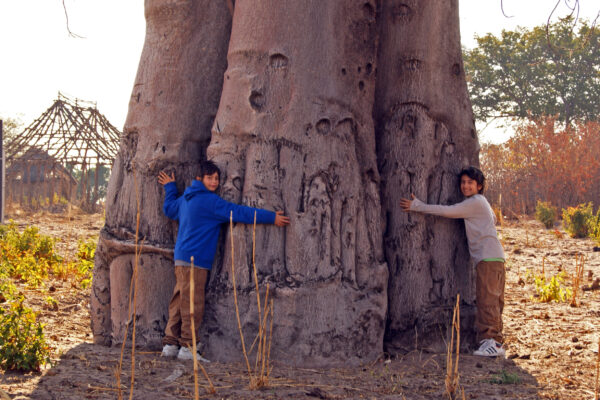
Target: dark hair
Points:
(475, 174)
(208, 167)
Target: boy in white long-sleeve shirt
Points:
(486, 252)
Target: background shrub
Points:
(545, 213)
(22, 343)
(595, 227)
(578, 220)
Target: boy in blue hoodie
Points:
(200, 213)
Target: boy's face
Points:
(469, 186)
(211, 182)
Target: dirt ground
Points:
(552, 348)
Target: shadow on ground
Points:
(88, 372)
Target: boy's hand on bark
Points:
(163, 178)
(280, 219)
(405, 203)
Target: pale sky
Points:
(39, 59)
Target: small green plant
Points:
(506, 378)
(22, 343)
(553, 289)
(26, 256)
(546, 213)
(578, 220)
(85, 255)
(529, 276)
(51, 302)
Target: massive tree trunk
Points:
(294, 132)
(307, 121)
(173, 104)
(425, 136)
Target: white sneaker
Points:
(170, 350)
(186, 354)
(490, 348)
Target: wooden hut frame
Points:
(73, 134)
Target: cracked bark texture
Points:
(294, 132)
(425, 136)
(330, 111)
(173, 103)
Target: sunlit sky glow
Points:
(39, 58)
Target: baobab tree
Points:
(330, 111)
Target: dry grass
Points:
(210, 389)
(577, 277)
(452, 377)
(132, 298)
(259, 376)
(193, 329)
(237, 310)
(598, 372)
(264, 347)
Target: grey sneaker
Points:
(186, 354)
(170, 350)
(490, 348)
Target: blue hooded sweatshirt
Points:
(200, 213)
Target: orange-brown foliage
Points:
(541, 162)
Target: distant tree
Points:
(90, 181)
(10, 128)
(543, 162)
(549, 70)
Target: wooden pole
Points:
(96, 196)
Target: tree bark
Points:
(173, 104)
(425, 136)
(318, 99)
(294, 132)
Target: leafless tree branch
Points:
(73, 35)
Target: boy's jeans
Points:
(491, 277)
(179, 326)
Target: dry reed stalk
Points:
(261, 354)
(117, 373)
(258, 352)
(259, 380)
(579, 263)
(211, 388)
(137, 252)
(237, 310)
(193, 329)
(598, 373)
(452, 377)
(132, 290)
(270, 342)
(544, 267)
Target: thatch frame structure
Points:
(70, 134)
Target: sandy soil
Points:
(552, 348)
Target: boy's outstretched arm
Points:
(170, 205)
(280, 219)
(405, 203)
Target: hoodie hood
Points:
(197, 187)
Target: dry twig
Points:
(598, 373)
(193, 329)
(132, 296)
(577, 277)
(452, 376)
(237, 310)
(136, 258)
(210, 389)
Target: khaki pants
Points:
(179, 326)
(491, 277)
